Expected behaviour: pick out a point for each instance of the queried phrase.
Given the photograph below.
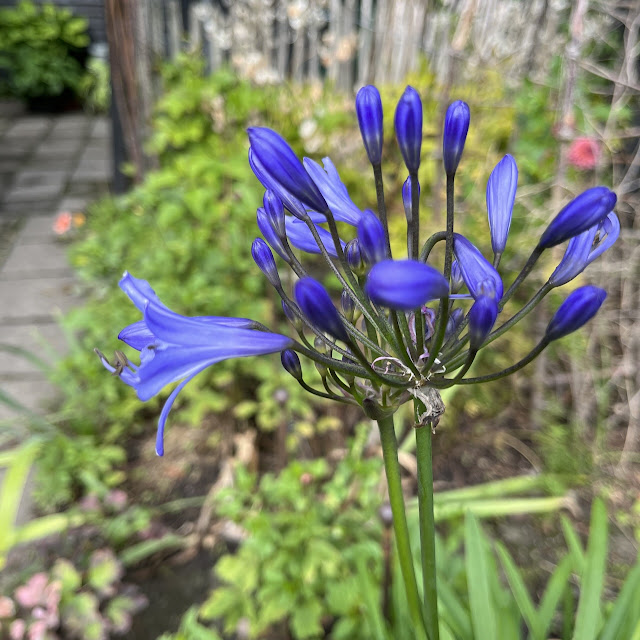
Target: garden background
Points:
(266, 518)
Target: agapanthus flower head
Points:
(408, 122)
(584, 153)
(371, 237)
(369, 110)
(585, 210)
(283, 166)
(579, 307)
(456, 127)
(316, 304)
(501, 195)
(405, 284)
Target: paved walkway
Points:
(48, 164)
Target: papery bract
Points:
(456, 127)
(584, 211)
(369, 111)
(316, 304)
(501, 194)
(408, 123)
(475, 268)
(282, 164)
(579, 307)
(405, 284)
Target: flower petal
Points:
(501, 194)
(300, 237)
(475, 268)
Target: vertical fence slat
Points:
(174, 28)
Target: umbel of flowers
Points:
(403, 328)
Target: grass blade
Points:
(553, 593)
(625, 614)
(592, 581)
(574, 544)
(483, 613)
(520, 592)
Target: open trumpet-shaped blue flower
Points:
(174, 347)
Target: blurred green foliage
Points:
(41, 47)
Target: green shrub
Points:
(40, 49)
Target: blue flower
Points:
(456, 127)
(316, 304)
(584, 211)
(501, 194)
(282, 165)
(579, 307)
(174, 347)
(372, 238)
(404, 284)
(407, 198)
(263, 257)
(482, 317)
(333, 191)
(583, 249)
(408, 122)
(271, 233)
(274, 208)
(475, 268)
(369, 110)
(300, 237)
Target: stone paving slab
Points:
(27, 299)
(33, 394)
(27, 260)
(76, 125)
(54, 149)
(30, 186)
(29, 127)
(46, 341)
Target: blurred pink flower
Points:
(89, 502)
(32, 593)
(584, 153)
(117, 499)
(63, 223)
(17, 629)
(7, 608)
(37, 630)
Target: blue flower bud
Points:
(291, 363)
(579, 307)
(482, 317)
(453, 322)
(264, 259)
(405, 284)
(316, 304)
(266, 229)
(408, 122)
(275, 210)
(369, 110)
(289, 314)
(348, 305)
(580, 214)
(457, 281)
(475, 268)
(456, 126)
(292, 204)
(372, 237)
(282, 164)
(501, 194)
(406, 198)
(353, 253)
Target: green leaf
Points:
(483, 611)
(588, 616)
(305, 621)
(104, 571)
(553, 593)
(574, 544)
(67, 574)
(453, 611)
(625, 615)
(11, 491)
(520, 592)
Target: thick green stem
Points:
(401, 529)
(427, 522)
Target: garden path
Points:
(48, 164)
